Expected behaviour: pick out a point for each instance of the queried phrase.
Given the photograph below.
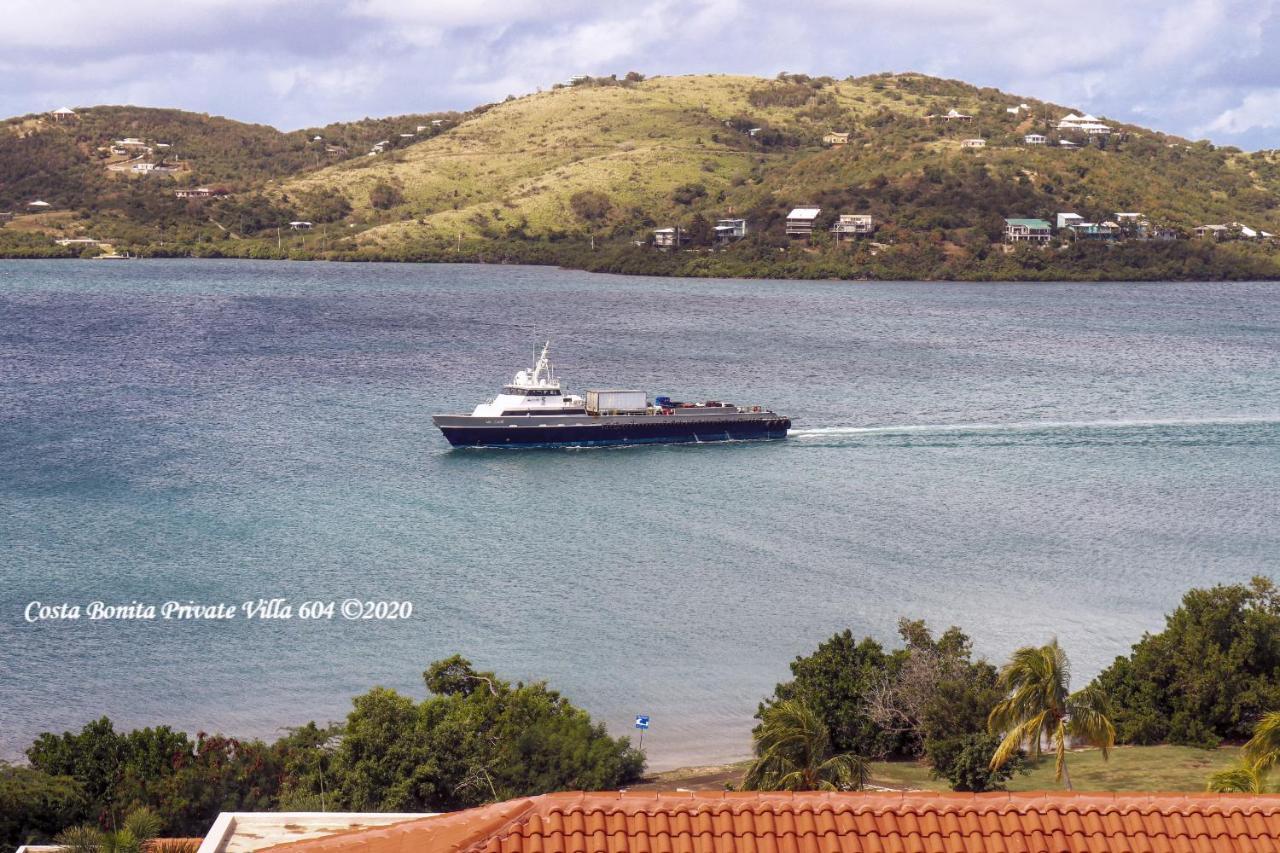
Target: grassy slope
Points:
(1130, 768)
(514, 167)
(527, 157)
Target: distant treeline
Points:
(758, 257)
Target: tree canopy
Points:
(476, 739)
(1208, 676)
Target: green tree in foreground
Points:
(476, 739)
(1038, 704)
(35, 805)
(838, 682)
(793, 753)
(1212, 671)
(140, 828)
(965, 762)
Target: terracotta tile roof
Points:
(749, 822)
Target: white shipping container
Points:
(616, 401)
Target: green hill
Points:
(549, 176)
(67, 163)
(638, 143)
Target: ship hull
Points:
(464, 431)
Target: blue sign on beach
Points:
(642, 721)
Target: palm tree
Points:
(1263, 749)
(793, 753)
(1257, 759)
(1037, 704)
(1244, 778)
(140, 827)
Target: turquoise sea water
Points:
(1021, 460)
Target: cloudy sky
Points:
(1202, 68)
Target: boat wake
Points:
(1214, 430)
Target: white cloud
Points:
(1258, 110)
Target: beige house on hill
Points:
(834, 138)
(853, 225)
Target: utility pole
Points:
(278, 239)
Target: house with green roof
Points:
(1027, 231)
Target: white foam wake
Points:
(1030, 426)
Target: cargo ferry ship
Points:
(534, 411)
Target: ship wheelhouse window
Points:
(530, 392)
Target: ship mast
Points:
(543, 372)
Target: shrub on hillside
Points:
(590, 205)
(688, 193)
(384, 196)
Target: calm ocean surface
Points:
(1020, 460)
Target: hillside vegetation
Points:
(67, 163)
(580, 174)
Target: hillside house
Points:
(77, 241)
(1066, 220)
(1085, 124)
(436, 122)
(1212, 232)
(131, 142)
(300, 225)
(407, 135)
(800, 221)
(1020, 108)
(1027, 231)
(852, 225)
(1100, 231)
(973, 143)
(834, 138)
(5, 216)
(1035, 139)
(669, 238)
(1133, 224)
(1232, 231)
(1067, 143)
(200, 192)
(64, 114)
(951, 115)
(727, 230)
(143, 168)
(39, 205)
(754, 131)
